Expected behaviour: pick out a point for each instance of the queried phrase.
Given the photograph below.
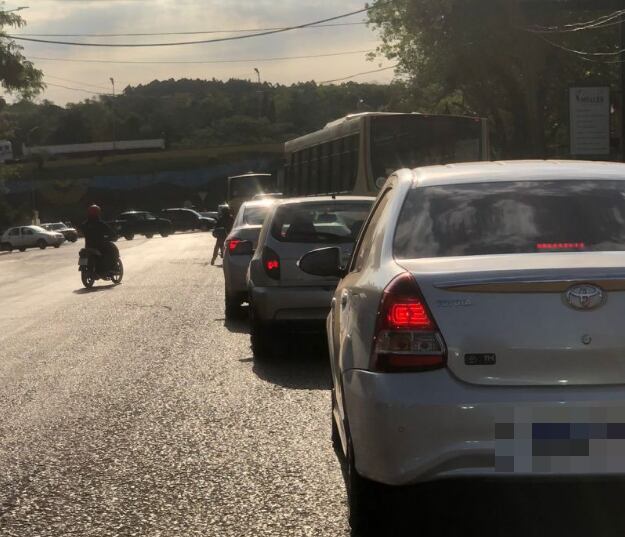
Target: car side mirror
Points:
(322, 262)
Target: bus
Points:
(357, 153)
(242, 188)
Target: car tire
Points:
(233, 307)
(368, 502)
(57, 245)
(335, 436)
(165, 233)
(261, 337)
(129, 236)
(149, 235)
(22, 249)
(42, 244)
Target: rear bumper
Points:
(291, 303)
(408, 428)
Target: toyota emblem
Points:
(585, 297)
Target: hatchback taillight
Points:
(406, 336)
(238, 247)
(271, 263)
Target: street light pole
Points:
(260, 93)
(114, 119)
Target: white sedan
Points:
(477, 330)
(24, 237)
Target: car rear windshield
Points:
(512, 217)
(254, 216)
(328, 222)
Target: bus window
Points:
(314, 171)
(337, 169)
(305, 177)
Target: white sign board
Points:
(590, 120)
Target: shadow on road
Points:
(300, 362)
(83, 291)
(481, 509)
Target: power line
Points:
(77, 82)
(75, 89)
(358, 74)
(178, 62)
(180, 43)
(583, 53)
(600, 22)
(203, 32)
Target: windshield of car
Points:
(511, 217)
(327, 222)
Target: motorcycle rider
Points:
(223, 227)
(99, 235)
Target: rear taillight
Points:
(271, 263)
(238, 247)
(406, 336)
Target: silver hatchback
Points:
(279, 291)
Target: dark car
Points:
(187, 220)
(133, 223)
(67, 231)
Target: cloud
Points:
(136, 16)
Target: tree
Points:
(482, 57)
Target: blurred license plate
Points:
(592, 442)
(83, 261)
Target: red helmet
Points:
(94, 212)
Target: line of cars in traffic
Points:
(127, 225)
(473, 321)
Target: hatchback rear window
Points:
(254, 216)
(512, 217)
(328, 222)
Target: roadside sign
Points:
(590, 120)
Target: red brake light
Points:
(409, 315)
(271, 263)
(232, 244)
(407, 337)
(547, 246)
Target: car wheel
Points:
(334, 435)
(164, 233)
(233, 307)
(73, 239)
(149, 235)
(42, 244)
(261, 337)
(129, 236)
(22, 249)
(368, 502)
(57, 245)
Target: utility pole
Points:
(114, 119)
(260, 93)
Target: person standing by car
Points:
(98, 235)
(221, 231)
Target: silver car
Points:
(279, 291)
(238, 249)
(23, 237)
(477, 330)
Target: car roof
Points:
(322, 199)
(514, 170)
(259, 203)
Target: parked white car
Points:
(279, 291)
(238, 249)
(24, 237)
(477, 330)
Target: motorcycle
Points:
(89, 265)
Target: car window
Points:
(254, 216)
(365, 244)
(14, 232)
(27, 231)
(328, 222)
(511, 217)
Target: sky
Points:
(151, 16)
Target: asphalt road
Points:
(135, 410)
